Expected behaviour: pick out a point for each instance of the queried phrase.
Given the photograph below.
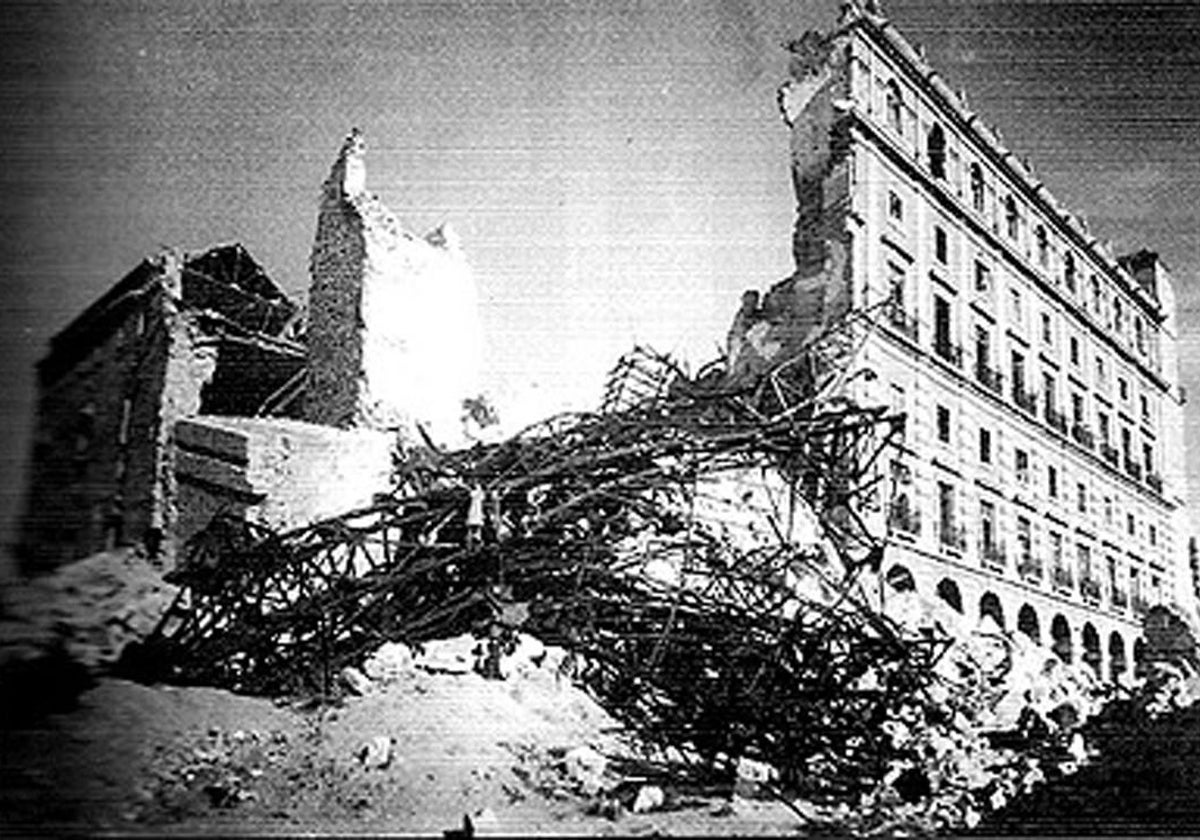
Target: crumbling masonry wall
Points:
(393, 325)
(775, 326)
(174, 338)
(101, 472)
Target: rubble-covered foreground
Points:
(421, 740)
(428, 743)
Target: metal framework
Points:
(593, 541)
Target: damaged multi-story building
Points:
(1038, 372)
(1038, 481)
(195, 385)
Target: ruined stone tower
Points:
(393, 333)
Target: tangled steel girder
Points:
(616, 535)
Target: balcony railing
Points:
(993, 555)
(948, 352)
(1155, 481)
(1062, 578)
(903, 322)
(1090, 587)
(1134, 469)
(1025, 399)
(1109, 453)
(903, 517)
(989, 377)
(952, 536)
(1083, 436)
(1056, 419)
(1030, 568)
(1120, 598)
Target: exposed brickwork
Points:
(393, 328)
(170, 340)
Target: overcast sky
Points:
(617, 171)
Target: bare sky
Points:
(617, 171)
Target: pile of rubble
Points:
(91, 608)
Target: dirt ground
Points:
(422, 747)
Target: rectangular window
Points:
(943, 424)
(1077, 409)
(1052, 481)
(987, 526)
(1018, 372)
(1145, 408)
(943, 344)
(896, 284)
(1153, 535)
(1130, 524)
(946, 508)
(985, 446)
(983, 278)
(1081, 497)
(1022, 465)
(1123, 389)
(1047, 329)
(1016, 311)
(1024, 539)
(895, 207)
(1049, 391)
(1105, 428)
(940, 245)
(1101, 373)
(1075, 351)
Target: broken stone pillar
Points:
(394, 337)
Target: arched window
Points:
(1060, 632)
(895, 107)
(989, 607)
(977, 187)
(1116, 656)
(1012, 220)
(1043, 247)
(947, 590)
(936, 149)
(1027, 623)
(901, 579)
(1069, 271)
(1091, 648)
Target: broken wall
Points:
(115, 381)
(770, 328)
(99, 446)
(277, 472)
(393, 332)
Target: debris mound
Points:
(623, 537)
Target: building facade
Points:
(176, 337)
(1039, 480)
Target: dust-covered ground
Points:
(427, 744)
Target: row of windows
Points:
(1022, 304)
(1049, 480)
(1107, 377)
(1107, 304)
(1014, 541)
